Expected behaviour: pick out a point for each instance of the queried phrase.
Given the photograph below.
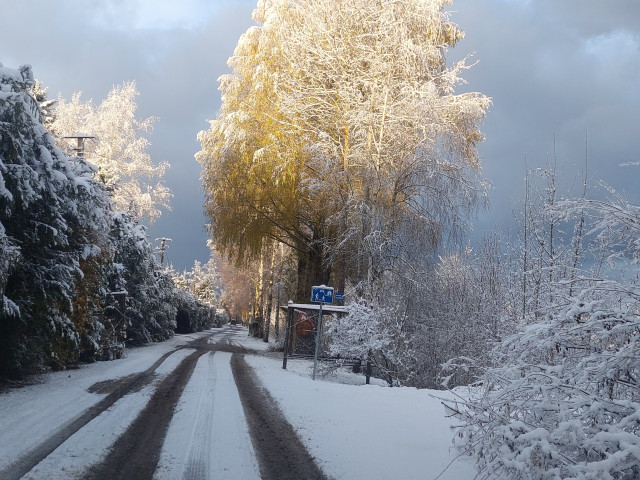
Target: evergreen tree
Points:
(47, 106)
(51, 211)
(150, 304)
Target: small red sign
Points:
(304, 325)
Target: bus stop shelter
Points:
(302, 322)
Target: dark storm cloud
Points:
(592, 17)
(190, 97)
(175, 57)
(565, 69)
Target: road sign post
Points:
(321, 294)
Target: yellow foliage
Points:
(334, 108)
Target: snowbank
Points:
(359, 432)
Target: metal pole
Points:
(277, 332)
(287, 334)
(163, 247)
(318, 335)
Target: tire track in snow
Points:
(27, 462)
(280, 452)
(89, 445)
(137, 451)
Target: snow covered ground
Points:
(31, 414)
(355, 431)
(365, 431)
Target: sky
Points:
(564, 77)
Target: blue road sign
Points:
(339, 296)
(322, 294)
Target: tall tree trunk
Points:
(259, 298)
(311, 272)
(267, 317)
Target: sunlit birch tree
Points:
(340, 134)
(118, 149)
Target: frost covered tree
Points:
(204, 281)
(446, 313)
(340, 135)
(458, 315)
(150, 305)
(199, 291)
(119, 149)
(562, 398)
(548, 248)
(52, 217)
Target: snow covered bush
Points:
(371, 333)
(441, 316)
(192, 315)
(63, 251)
(563, 399)
(445, 313)
(459, 314)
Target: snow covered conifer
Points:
(150, 310)
(50, 212)
(47, 106)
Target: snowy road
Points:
(203, 406)
(163, 413)
(208, 435)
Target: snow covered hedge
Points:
(63, 250)
(43, 203)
